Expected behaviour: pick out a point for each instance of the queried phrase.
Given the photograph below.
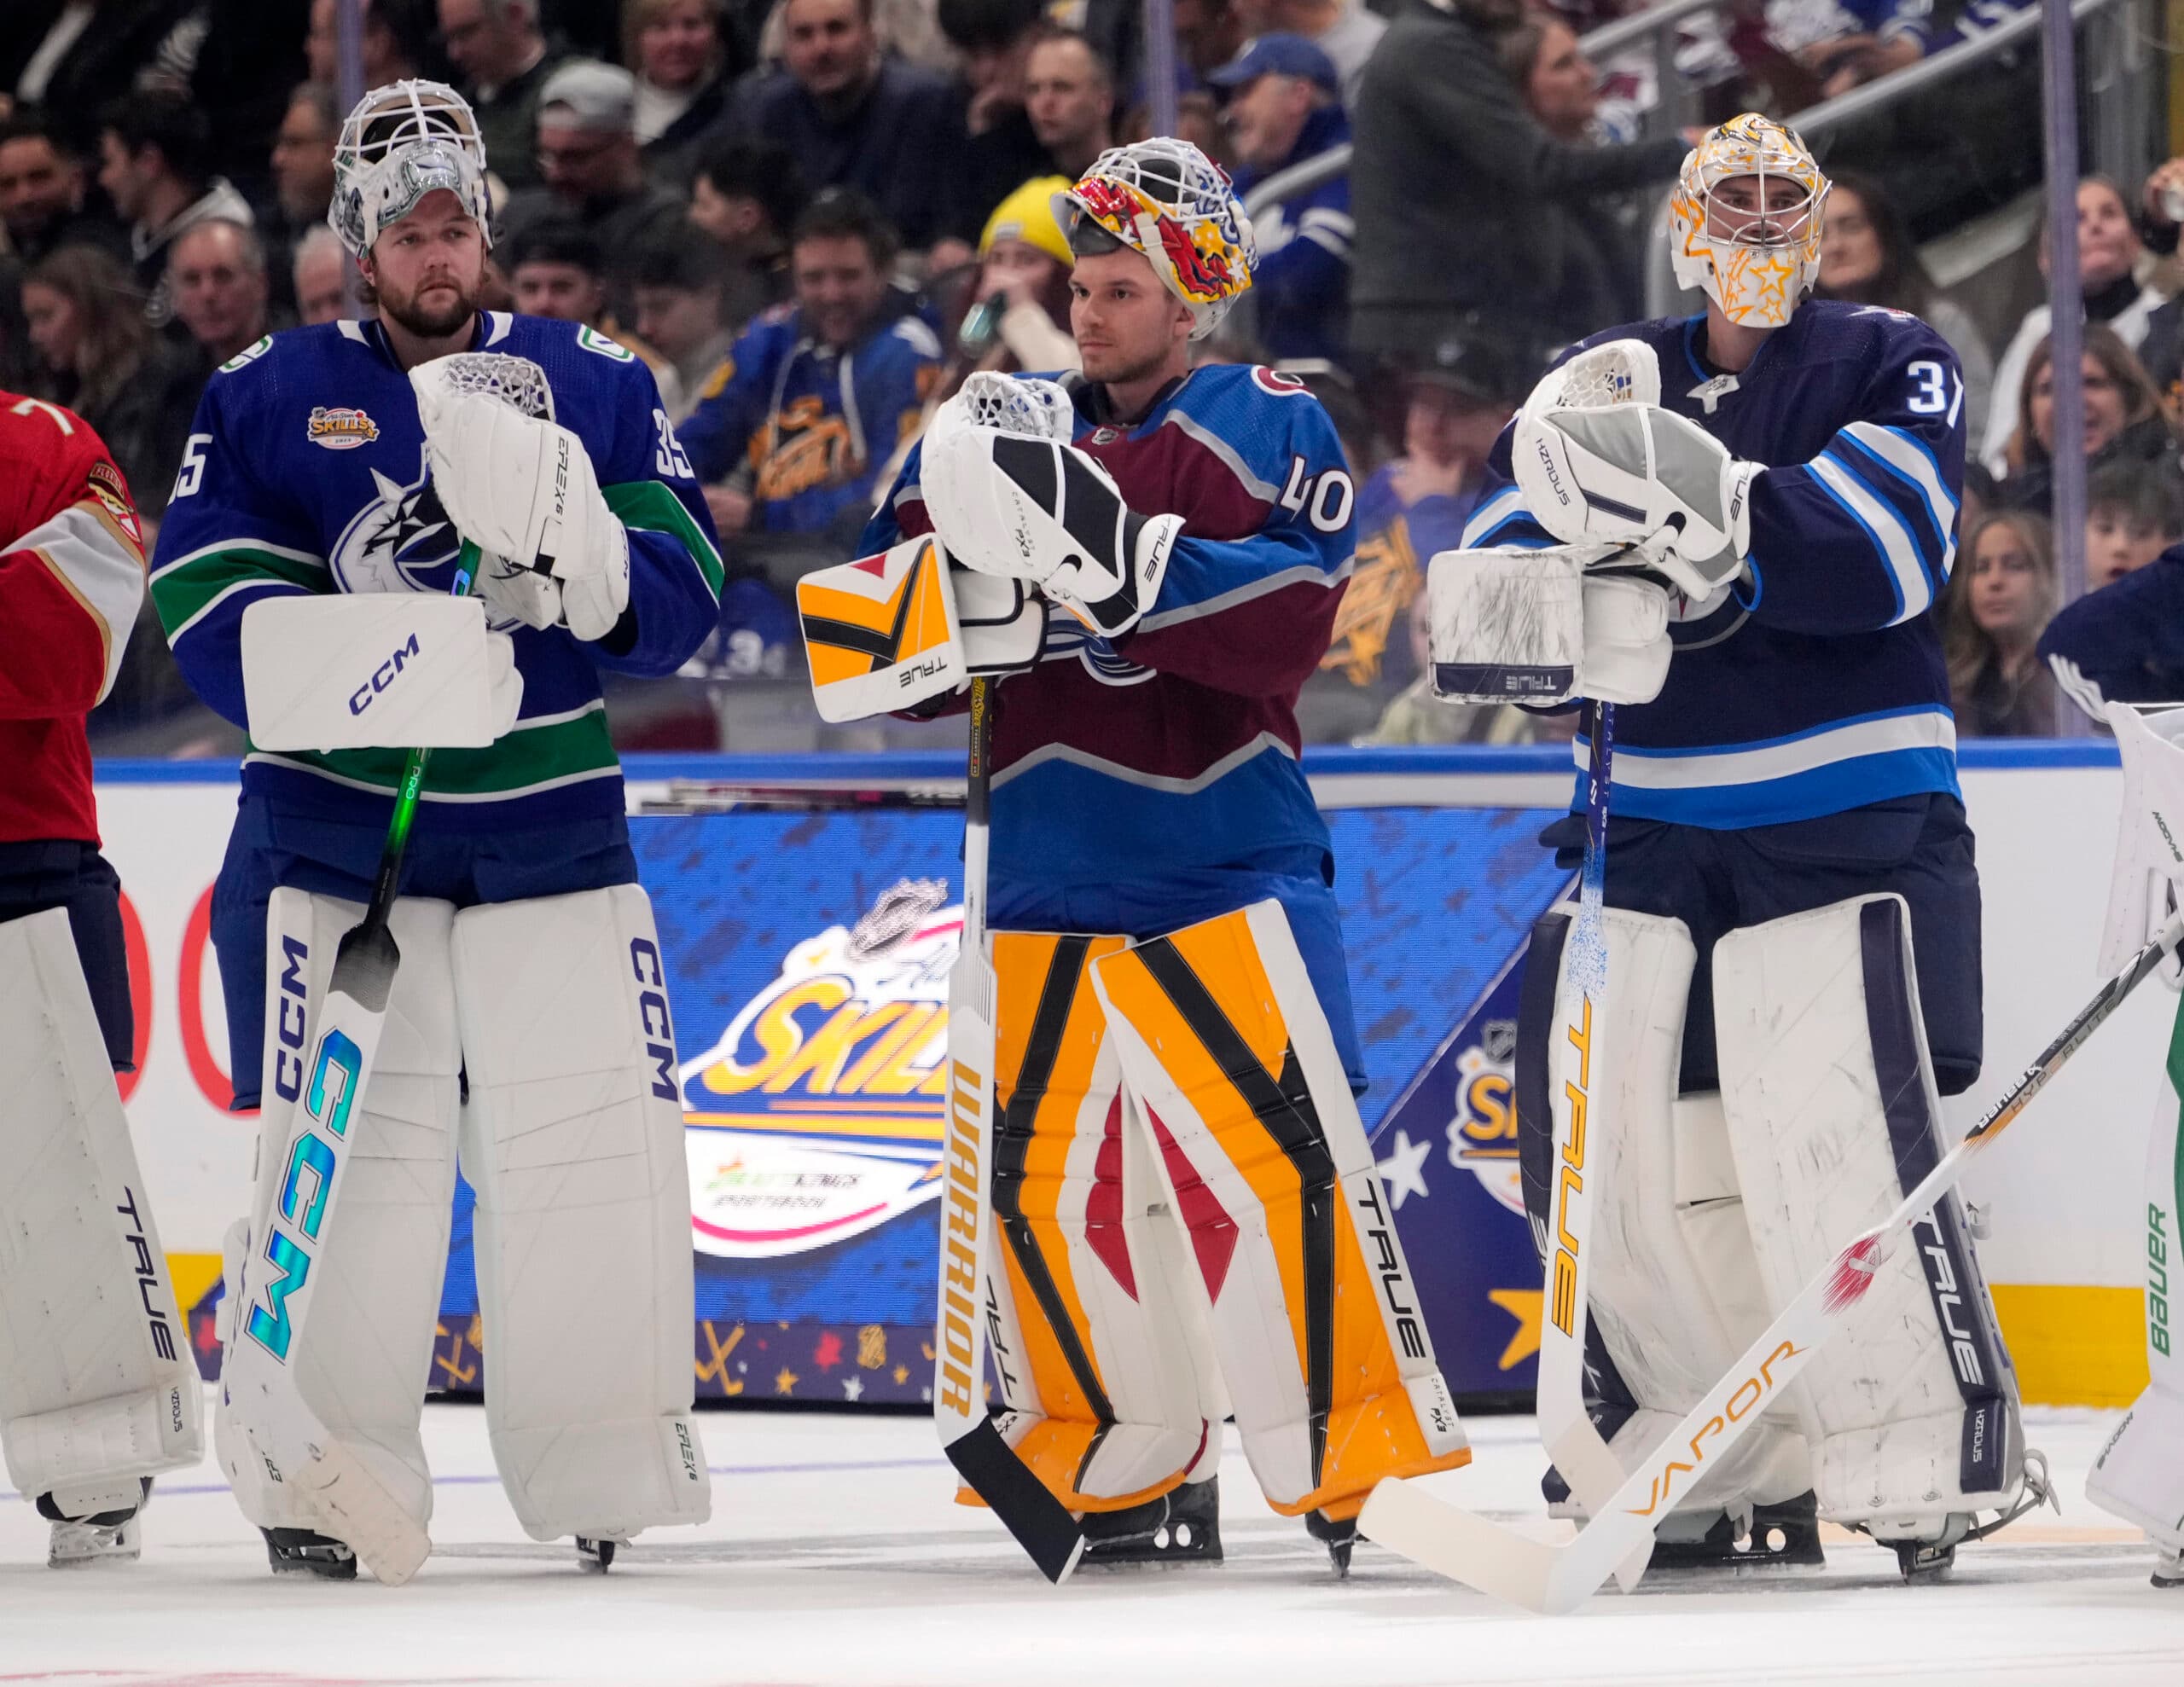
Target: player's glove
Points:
(1036, 509)
(1622, 473)
(523, 489)
(1534, 626)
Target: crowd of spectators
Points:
(812, 218)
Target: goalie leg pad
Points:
(2140, 1475)
(573, 1140)
(1315, 1316)
(1668, 1280)
(1832, 1116)
(97, 1383)
(355, 1369)
(1090, 1333)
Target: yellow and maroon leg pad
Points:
(1090, 1335)
(1315, 1319)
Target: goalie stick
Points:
(1497, 1559)
(350, 1500)
(988, 1466)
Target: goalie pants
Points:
(1300, 879)
(1187, 1218)
(1917, 848)
(58, 873)
(280, 843)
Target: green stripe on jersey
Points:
(528, 759)
(652, 507)
(180, 592)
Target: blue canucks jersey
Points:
(305, 473)
(1818, 685)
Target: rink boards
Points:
(808, 947)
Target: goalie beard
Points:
(440, 303)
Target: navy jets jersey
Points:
(1817, 684)
(305, 473)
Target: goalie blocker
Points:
(1908, 1428)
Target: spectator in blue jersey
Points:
(854, 119)
(2000, 600)
(1284, 111)
(814, 397)
(1412, 507)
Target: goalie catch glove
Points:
(1028, 509)
(1622, 473)
(1535, 626)
(523, 490)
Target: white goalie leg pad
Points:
(2140, 1475)
(1833, 1116)
(573, 1140)
(97, 1384)
(356, 1368)
(1669, 1280)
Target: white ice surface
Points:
(835, 1557)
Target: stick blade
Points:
(364, 964)
(1041, 1524)
(1460, 1545)
(1588, 1464)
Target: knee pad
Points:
(1313, 1312)
(355, 1367)
(97, 1384)
(1092, 1340)
(1912, 1410)
(1668, 1281)
(572, 1138)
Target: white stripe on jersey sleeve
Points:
(1898, 551)
(1905, 456)
(100, 569)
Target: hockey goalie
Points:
(98, 1390)
(319, 598)
(1733, 527)
(1186, 1209)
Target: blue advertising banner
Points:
(808, 955)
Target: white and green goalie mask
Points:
(401, 142)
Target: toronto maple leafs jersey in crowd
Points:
(1817, 684)
(305, 473)
(1176, 746)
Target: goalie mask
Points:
(1755, 259)
(1166, 199)
(401, 142)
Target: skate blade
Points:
(353, 1507)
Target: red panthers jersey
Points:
(71, 576)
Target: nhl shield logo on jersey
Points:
(339, 428)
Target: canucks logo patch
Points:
(339, 428)
(402, 540)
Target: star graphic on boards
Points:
(852, 1388)
(786, 1381)
(1525, 1305)
(902, 1374)
(1404, 1170)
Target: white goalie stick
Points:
(1497, 1559)
(988, 1466)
